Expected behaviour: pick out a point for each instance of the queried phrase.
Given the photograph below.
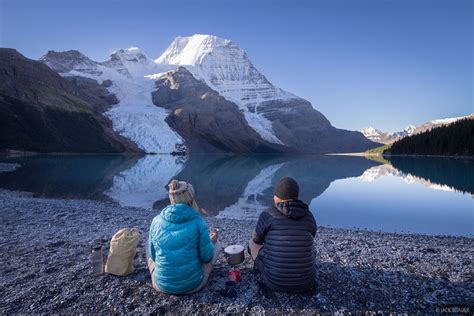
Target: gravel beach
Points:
(45, 267)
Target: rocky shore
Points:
(44, 267)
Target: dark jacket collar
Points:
(293, 208)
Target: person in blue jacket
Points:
(181, 250)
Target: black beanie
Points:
(287, 189)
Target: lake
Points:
(431, 196)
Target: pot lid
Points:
(234, 249)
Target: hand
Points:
(213, 236)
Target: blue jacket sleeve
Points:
(151, 247)
(206, 247)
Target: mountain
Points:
(454, 139)
(279, 117)
(225, 68)
(203, 94)
(44, 112)
(384, 137)
(134, 117)
(440, 122)
(68, 61)
(388, 138)
(206, 120)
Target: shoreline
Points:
(358, 154)
(45, 266)
(363, 154)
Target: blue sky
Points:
(381, 63)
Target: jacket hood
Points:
(179, 213)
(293, 208)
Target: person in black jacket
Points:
(282, 243)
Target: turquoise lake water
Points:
(409, 195)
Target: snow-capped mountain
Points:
(373, 134)
(71, 60)
(407, 131)
(203, 93)
(226, 69)
(131, 62)
(377, 135)
(440, 122)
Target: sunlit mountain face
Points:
(204, 95)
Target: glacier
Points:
(137, 118)
(132, 75)
(219, 63)
(223, 67)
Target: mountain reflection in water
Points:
(236, 186)
(457, 174)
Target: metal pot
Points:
(235, 254)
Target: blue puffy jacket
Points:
(179, 243)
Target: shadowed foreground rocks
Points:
(45, 248)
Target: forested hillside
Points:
(456, 139)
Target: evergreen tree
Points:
(456, 139)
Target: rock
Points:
(206, 121)
(91, 86)
(373, 279)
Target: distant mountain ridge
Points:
(386, 137)
(278, 120)
(379, 136)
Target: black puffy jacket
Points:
(286, 260)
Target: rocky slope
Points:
(207, 121)
(43, 112)
(227, 104)
(225, 68)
